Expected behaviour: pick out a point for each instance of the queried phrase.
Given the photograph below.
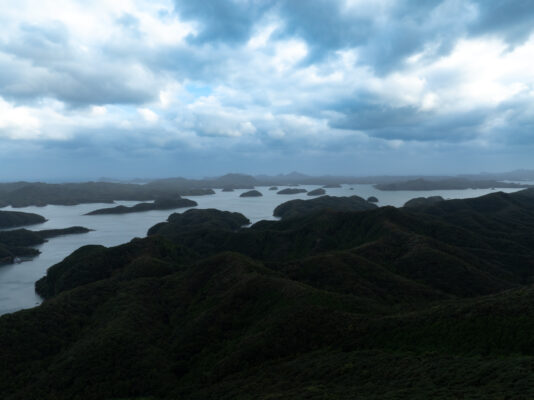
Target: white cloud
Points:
(98, 111)
(148, 115)
(17, 122)
(288, 53)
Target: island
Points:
(423, 201)
(273, 188)
(13, 219)
(198, 192)
(372, 199)
(199, 220)
(316, 192)
(159, 204)
(228, 189)
(332, 186)
(251, 193)
(299, 208)
(291, 191)
(17, 244)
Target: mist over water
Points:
(17, 280)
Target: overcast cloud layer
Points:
(160, 88)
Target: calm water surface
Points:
(17, 280)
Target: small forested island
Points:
(159, 204)
(332, 186)
(372, 199)
(423, 201)
(13, 219)
(317, 192)
(198, 192)
(17, 243)
(251, 193)
(199, 220)
(448, 184)
(228, 189)
(299, 208)
(273, 188)
(291, 191)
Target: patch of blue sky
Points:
(198, 90)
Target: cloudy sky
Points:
(147, 88)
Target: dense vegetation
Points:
(158, 204)
(13, 219)
(413, 303)
(299, 208)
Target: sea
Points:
(17, 280)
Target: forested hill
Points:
(424, 302)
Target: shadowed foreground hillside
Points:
(428, 302)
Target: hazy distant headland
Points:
(23, 194)
(449, 184)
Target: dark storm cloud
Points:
(512, 19)
(411, 124)
(222, 21)
(385, 35)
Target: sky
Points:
(160, 88)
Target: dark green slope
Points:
(381, 304)
(153, 335)
(429, 250)
(228, 327)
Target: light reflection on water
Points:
(17, 280)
